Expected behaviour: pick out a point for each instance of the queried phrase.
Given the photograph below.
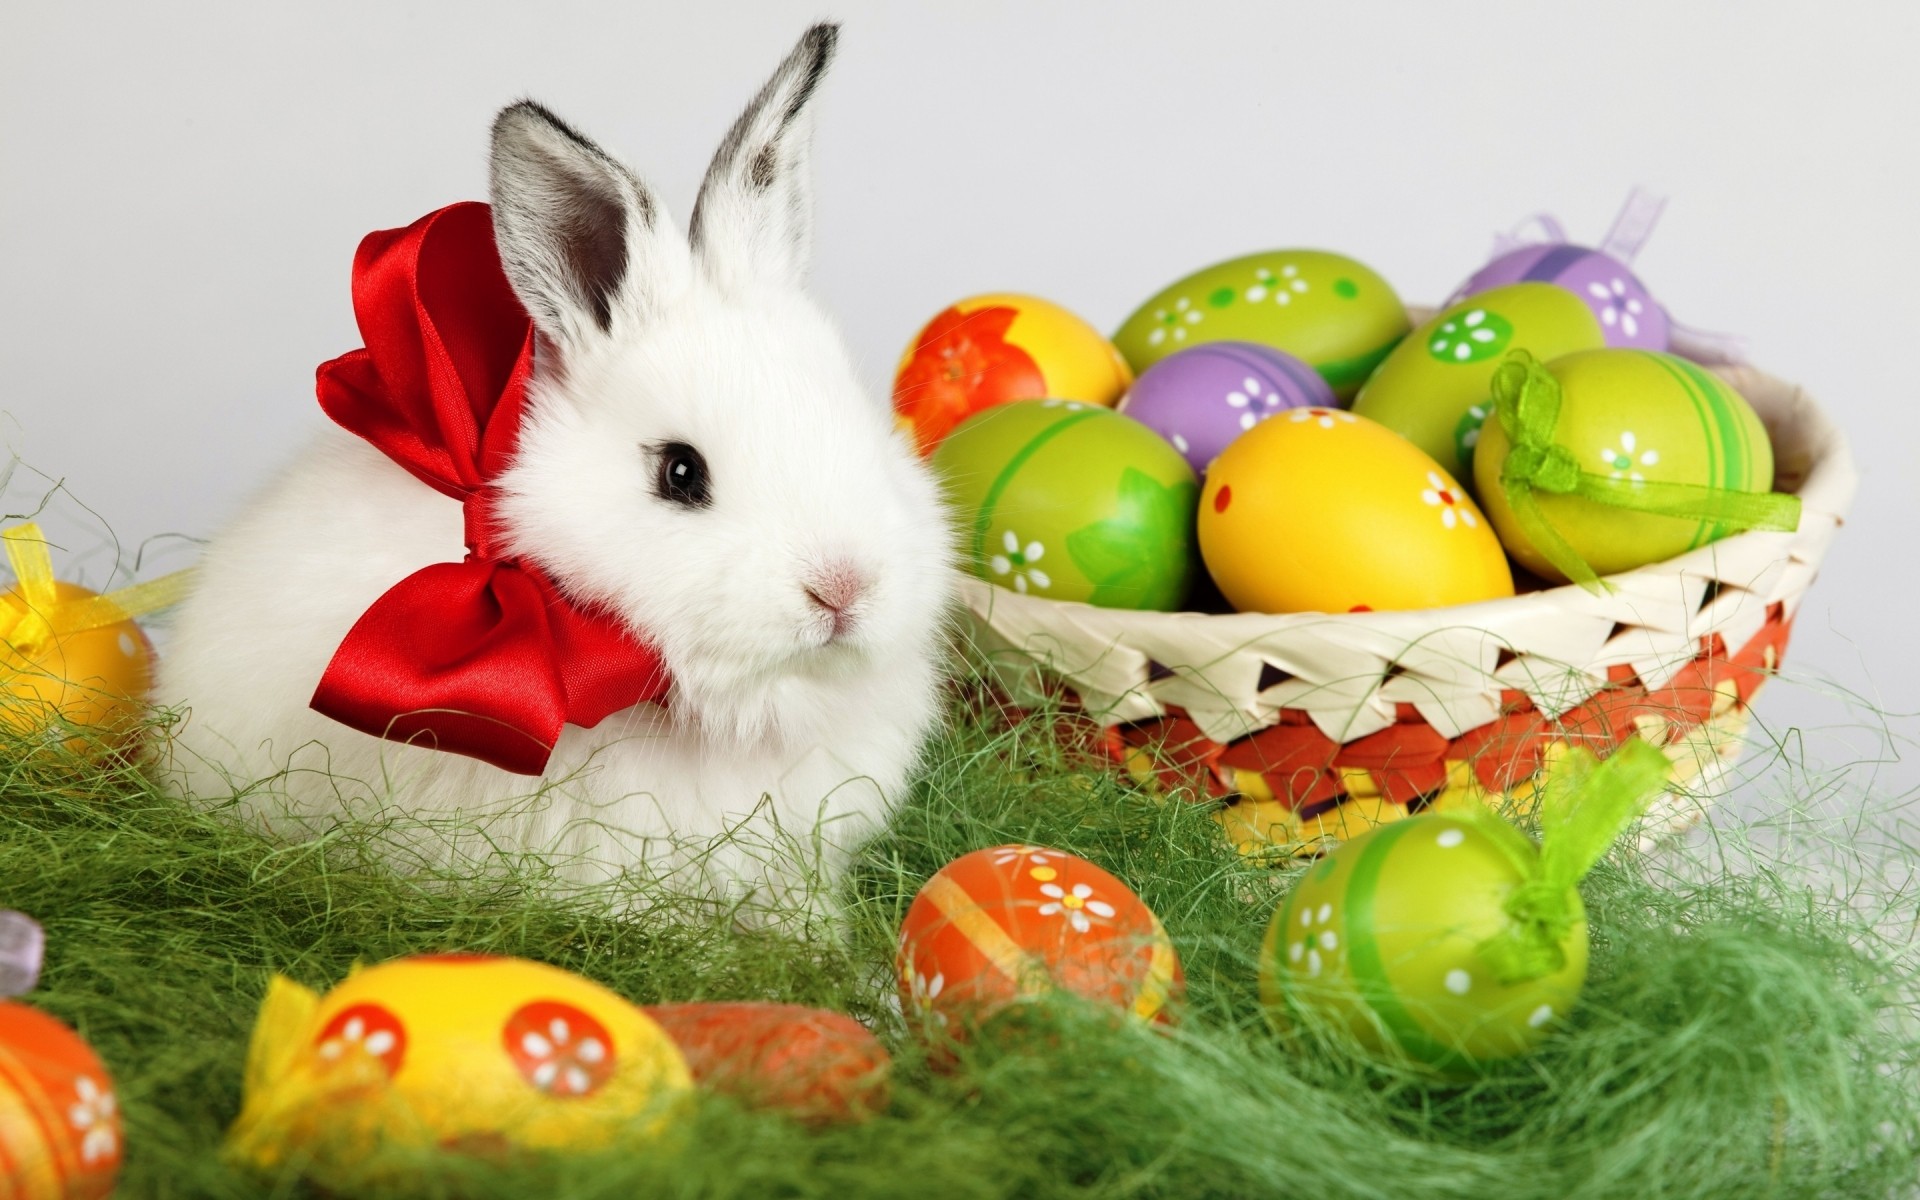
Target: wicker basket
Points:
(1307, 728)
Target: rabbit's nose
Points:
(835, 591)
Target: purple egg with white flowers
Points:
(1629, 316)
(1207, 395)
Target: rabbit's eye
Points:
(683, 478)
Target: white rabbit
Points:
(698, 457)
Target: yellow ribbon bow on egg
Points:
(47, 663)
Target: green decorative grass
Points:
(1741, 1036)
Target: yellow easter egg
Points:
(93, 678)
(1319, 510)
(463, 1052)
(996, 348)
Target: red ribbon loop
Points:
(485, 657)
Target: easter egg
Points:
(1323, 511)
(1628, 314)
(1072, 502)
(465, 1052)
(1203, 397)
(1432, 390)
(60, 1136)
(990, 349)
(1380, 941)
(811, 1064)
(1632, 415)
(92, 678)
(1009, 923)
(1325, 309)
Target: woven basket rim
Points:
(1114, 659)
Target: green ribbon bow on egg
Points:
(1585, 804)
(1526, 399)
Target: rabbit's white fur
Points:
(783, 742)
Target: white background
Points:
(182, 187)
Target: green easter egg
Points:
(1426, 388)
(1323, 308)
(1632, 414)
(1380, 941)
(1072, 501)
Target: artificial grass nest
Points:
(1740, 1036)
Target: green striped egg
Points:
(1325, 309)
(1379, 943)
(1433, 389)
(1633, 414)
(1072, 501)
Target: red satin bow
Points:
(485, 657)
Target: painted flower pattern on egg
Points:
(1282, 288)
(1473, 336)
(964, 363)
(1323, 417)
(1617, 305)
(1075, 903)
(1447, 498)
(558, 1048)
(1171, 324)
(368, 1030)
(1018, 561)
(1124, 555)
(91, 1116)
(1622, 459)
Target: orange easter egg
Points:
(1009, 923)
(991, 349)
(93, 678)
(60, 1136)
(812, 1064)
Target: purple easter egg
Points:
(1207, 395)
(1628, 314)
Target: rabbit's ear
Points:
(583, 242)
(754, 218)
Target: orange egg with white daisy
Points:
(1012, 923)
(1321, 510)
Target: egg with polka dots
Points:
(1319, 510)
(1330, 311)
(1379, 943)
(1434, 388)
(466, 1053)
(1202, 398)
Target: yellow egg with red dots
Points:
(93, 679)
(1319, 510)
(466, 1053)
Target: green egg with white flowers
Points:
(1330, 311)
(1432, 390)
(1061, 500)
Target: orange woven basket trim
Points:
(1607, 719)
(1282, 750)
(1411, 787)
(1397, 747)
